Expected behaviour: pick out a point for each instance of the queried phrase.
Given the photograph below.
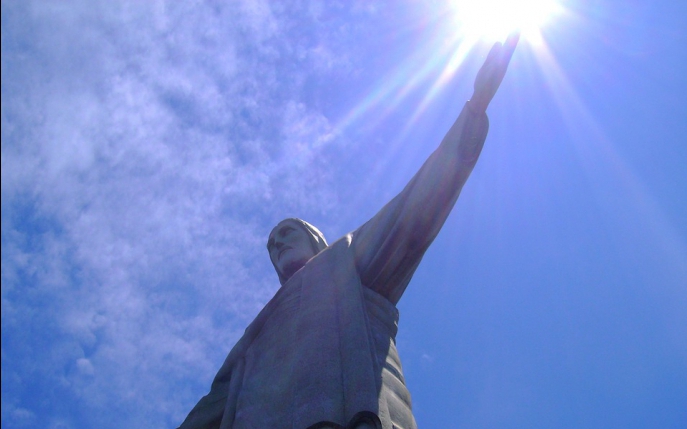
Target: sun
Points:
(495, 19)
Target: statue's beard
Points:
(291, 268)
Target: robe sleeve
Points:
(216, 409)
(389, 247)
(208, 412)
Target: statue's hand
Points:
(492, 72)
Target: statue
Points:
(322, 352)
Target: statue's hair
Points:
(317, 240)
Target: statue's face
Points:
(290, 247)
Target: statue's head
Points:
(291, 244)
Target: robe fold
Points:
(323, 350)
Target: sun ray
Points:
(456, 31)
(602, 162)
(471, 22)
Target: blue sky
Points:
(148, 147)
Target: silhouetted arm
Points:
(389, 247)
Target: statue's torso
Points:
(290, 374)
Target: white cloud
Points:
(146, 149)
(19, 417)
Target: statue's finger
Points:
(493, 53)
(512, 40)
(509, 46)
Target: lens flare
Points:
(495, 19)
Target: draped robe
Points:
(323, 351)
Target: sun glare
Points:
(464, 24)
(495, 19)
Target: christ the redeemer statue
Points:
(322, 353)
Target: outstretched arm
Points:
(389, 247)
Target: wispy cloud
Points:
(145, 147)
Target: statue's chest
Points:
(267, 388)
